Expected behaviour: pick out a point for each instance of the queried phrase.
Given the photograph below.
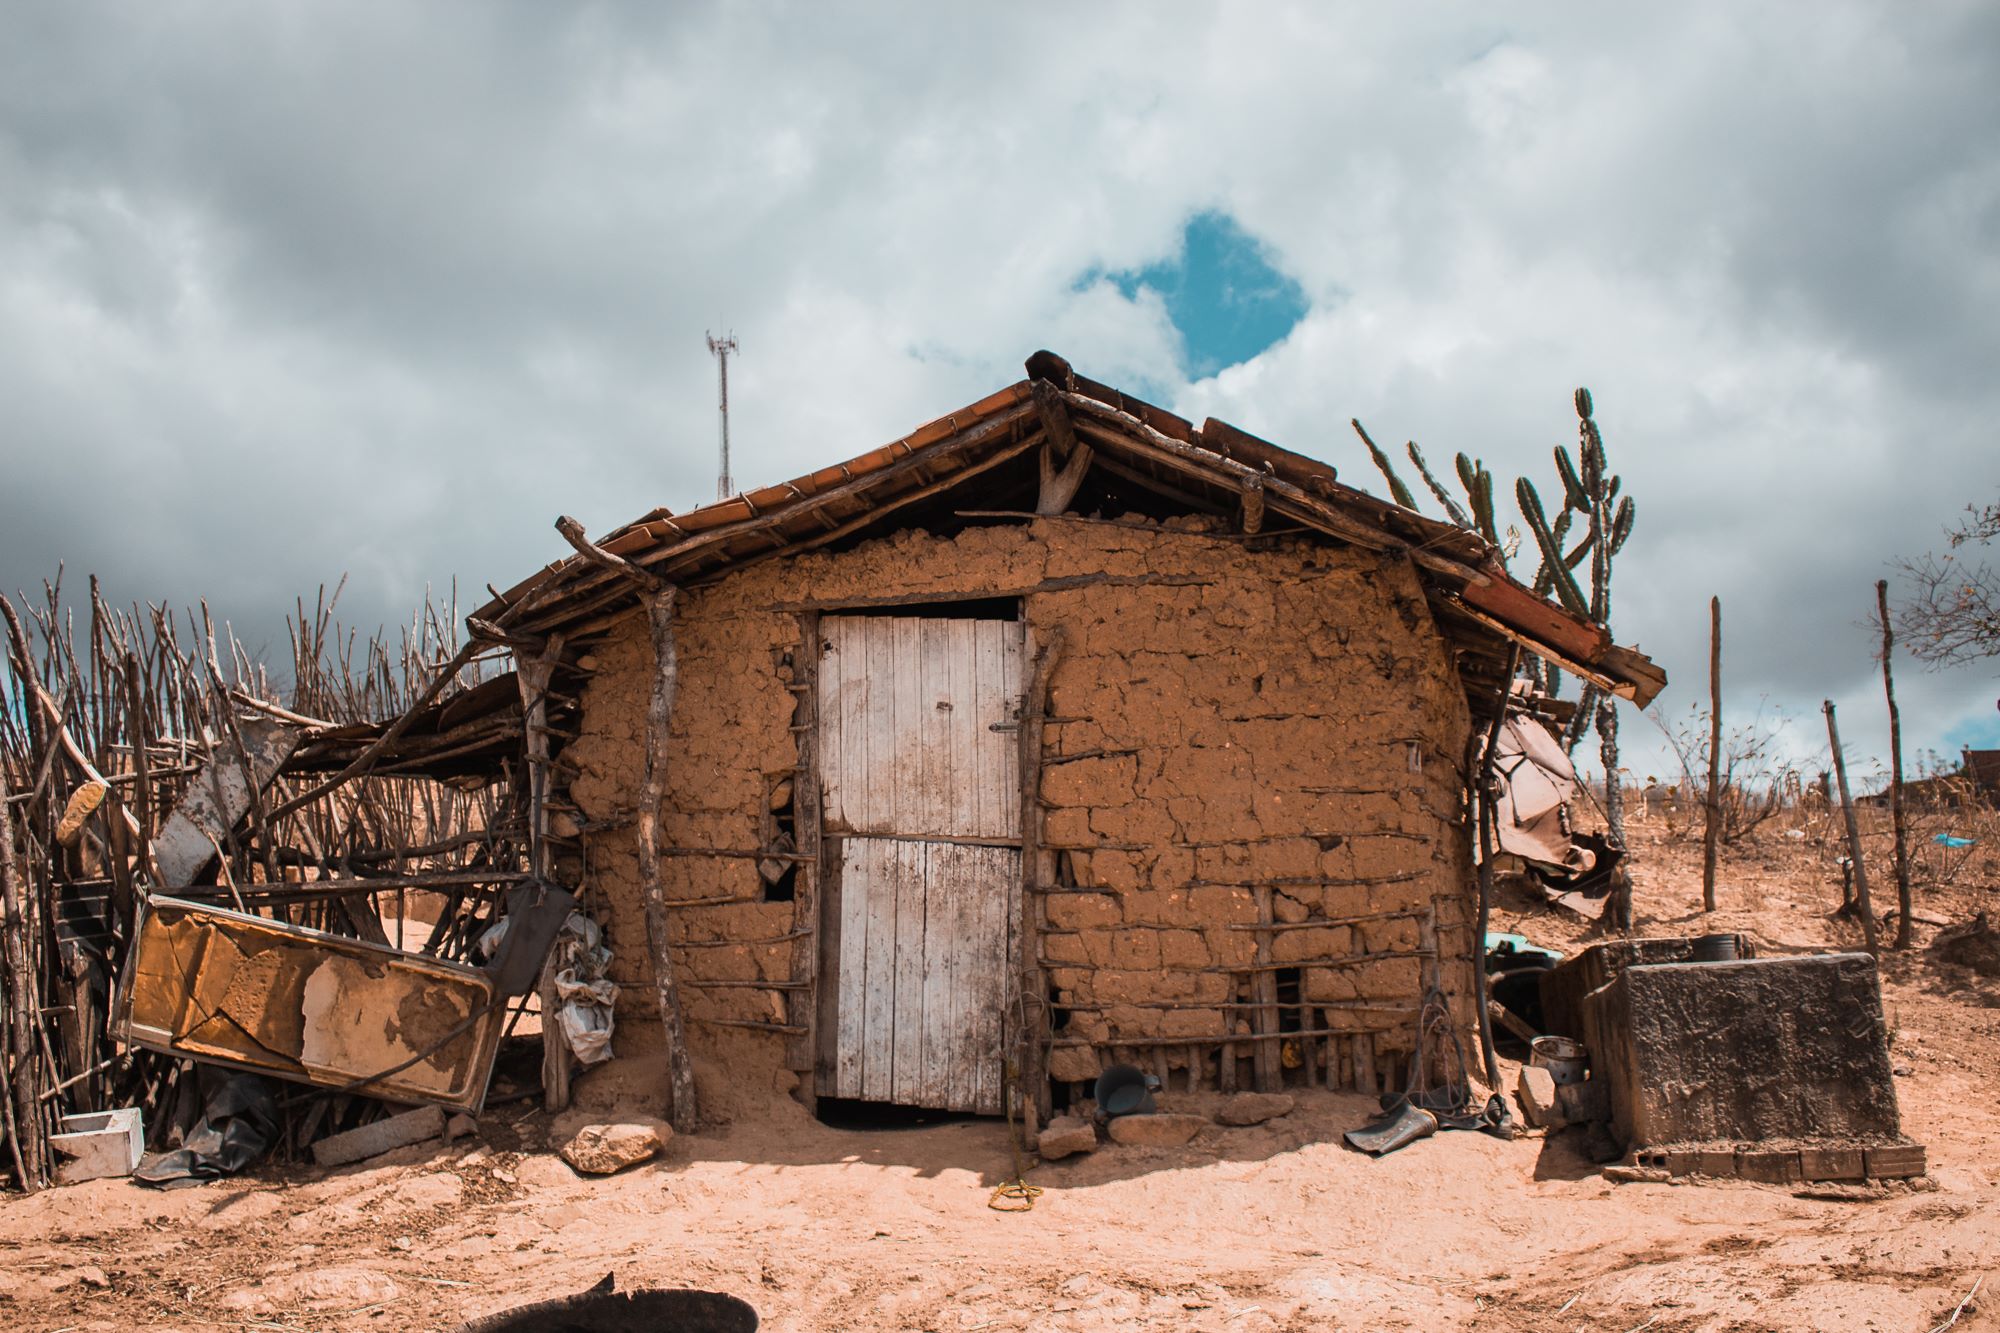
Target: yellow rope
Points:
(1016, 1195)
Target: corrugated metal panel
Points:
(926, 931)
(916, 722)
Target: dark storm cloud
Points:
(292, 290)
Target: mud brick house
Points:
(1059, 732)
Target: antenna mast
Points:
(721, 348)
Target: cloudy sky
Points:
(288, 291)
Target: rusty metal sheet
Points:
(219, 986)
(219, 795)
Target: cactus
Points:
(1566, 589)
(1396, 487)
(1451, 506)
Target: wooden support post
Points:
(1031, 1007)
(1711, 832)
(1905, 904)
(1264, 987)
(681, 1109)
(1364, 1063)
(1861, 900)
(24, 1110)
(1253, 505)
(802, 1004)
(533, 674)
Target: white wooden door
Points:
(922, 810)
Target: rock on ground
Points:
(1254, 1108)
(1537, 1091)
(1166, 1130)
(1065, 1136)
(600, 1150)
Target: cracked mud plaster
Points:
(1285, 714)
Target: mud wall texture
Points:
(1240, 735)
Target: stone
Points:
(1896, 1162)
(601, 1150)
(1254, 1108)
(1065, 1136)
(398, 1131)
(1537, 1094)
(1164, 1130)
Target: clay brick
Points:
(1769, 1166)
(1191, 1023)
(1064, 949)
(1183, 948)
(1082, 911)
(1312, 944)
(1155, 907)
(1137, 950)
(1389, 979)
(1217, 905)
(1286, 908)
(1896, 1162)
(1321, 983)
(1230, 948)
(1832, 1164)
(1067, 828)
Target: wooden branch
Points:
(1058, 488)
(572, 532)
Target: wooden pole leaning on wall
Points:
(1483, 777)
(660, 599)
(1711, 831)
(1861, 901)
(1037, 868)
(802, 1003)
(532, 674)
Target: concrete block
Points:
(1832, 1164)
(1896, 1161)
(1536, 1091)
(398, 1131)
(1746, 1052)
(1770, 1166)
(99, 1144)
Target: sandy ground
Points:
(1276, 1227)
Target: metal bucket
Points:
(1715, 949)
(1125, 1090)
(1563, 1058)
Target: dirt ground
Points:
(1276, 1227)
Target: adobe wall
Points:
(1284, 716)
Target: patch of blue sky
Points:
(1221, 291)
(1980, 731)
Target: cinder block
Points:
(398, 1131)
(1831, 1164)
(99, 1144)
(1896, 1162)
(1718, 1163)
(1771, 1167)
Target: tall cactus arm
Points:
(1452, 508)
(1397, 489)
(1574, 495)
(1566, 590)
(1621, 524)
